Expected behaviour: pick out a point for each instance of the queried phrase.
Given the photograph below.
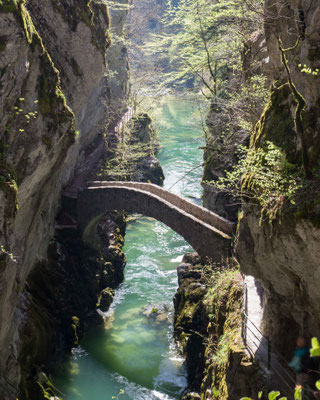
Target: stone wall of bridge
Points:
(206, 238)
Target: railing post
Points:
(243, 330)
(269, 354)
(244, 315)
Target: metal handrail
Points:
(245, 327)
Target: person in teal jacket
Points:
(302, 363)
(302, 351)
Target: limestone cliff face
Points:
(284, 255)
(76, 36)
(117, 76)
(52, 66)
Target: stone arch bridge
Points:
(208, 233)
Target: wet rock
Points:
(191, 396)
(192, 258)
(105, 299)
(142, 128)
(157, 314)
(190, 319)
(149, 171)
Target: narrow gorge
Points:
(214, 106)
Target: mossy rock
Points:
(9, 6)
(87, 12)
(3, 44)
(105, 299)
(276, 124)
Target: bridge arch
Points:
(209, 234)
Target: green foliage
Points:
(46, 394)
(7, 253)
(222, 299)
(298, 393)
(315, 348)
(127, 153)
(223, 303)
(201, 43)
(215, 392)
(248, 100)
(263, 175)
(308, 70)
(47, 388)
(315, 352)
(19, 110)
(273, 395)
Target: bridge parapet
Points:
(199, 212)
(206, 239)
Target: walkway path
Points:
(279, 375)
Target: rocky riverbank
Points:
(207, 323)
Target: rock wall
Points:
(53, 98)
(284, 255)
(62, 296)
(117, 76)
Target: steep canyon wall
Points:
(284, 255)
(54, 102)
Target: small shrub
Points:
(263, 175)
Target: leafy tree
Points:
(202, 43)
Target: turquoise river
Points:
(134, 352)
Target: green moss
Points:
(52, 102)
(307, 215)
(186, 314)
(44, 98)
(224, 303)
(3, 46)
(28, 25)
(75, 326)
(313, 54)
(87, 19)
(17, 7)
(47, 142)
(51, 97)
(85, 12)
(276, 124)
(9, 6)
